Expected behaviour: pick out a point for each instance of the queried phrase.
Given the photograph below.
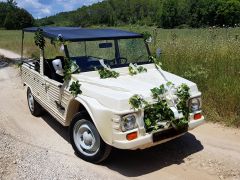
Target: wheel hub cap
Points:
(87, 138)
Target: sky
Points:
(43, 8)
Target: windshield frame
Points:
(117, 54)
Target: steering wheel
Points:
(123, 58)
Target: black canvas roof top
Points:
(82, 34)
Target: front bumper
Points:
(143, 142)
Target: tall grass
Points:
(209, 57)
(12, 40)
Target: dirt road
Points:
(38, 148)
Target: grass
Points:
(11, 40)
(209, 57)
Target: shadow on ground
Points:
(54, 124)
(136, 163)
(140, 162)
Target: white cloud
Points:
(69, 5)
(39, 10)
(36, 8)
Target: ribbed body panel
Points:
(47, 92)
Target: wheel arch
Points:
(104, 128)
(27, 86)
(74, 107)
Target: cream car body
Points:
(105, 100)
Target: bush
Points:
(18, 19)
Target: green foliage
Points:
(137, 102)
(67, 69)
(106, 73)
(141, 69)
(164, 13)
(75, 88)
(39, 39)
(13, 17)
(157, 93)
(183, 95)
(70, 67)
(160, 110)
(134, 69)
(146, 35)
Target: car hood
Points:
(115, 93)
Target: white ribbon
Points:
(104, 65)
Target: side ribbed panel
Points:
(47, 93)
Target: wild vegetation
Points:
(13, 17)
(210, 57)
(161, 13)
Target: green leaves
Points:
(137, 102)
(106, 73)
(161, 111)
(75, 88)
(158, 92)
(134, 69)
(67, 69)
(39, 39)
(146, 36)
(183, 95)
(180, 124)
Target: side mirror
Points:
(158, 52)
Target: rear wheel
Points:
(34, 107)
(86, 140)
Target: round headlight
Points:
(128, 122)
(195, 104)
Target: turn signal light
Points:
(132, 136)
(197, 116)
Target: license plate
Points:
(165, 134)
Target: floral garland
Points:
(39, 39)
(165, 96)
(107, 73)
(75, 88)
(134, 69)
(67, 69)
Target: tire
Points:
(34, 107)
(86, 141)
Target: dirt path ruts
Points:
(38, 148)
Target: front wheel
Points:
(34, 107)
(86, 140)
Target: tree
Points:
(18, 19)
(12, 3)
(163, 13)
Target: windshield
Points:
(115, 53)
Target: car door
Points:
(39, 88)
(57, 98)
(35, 81)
